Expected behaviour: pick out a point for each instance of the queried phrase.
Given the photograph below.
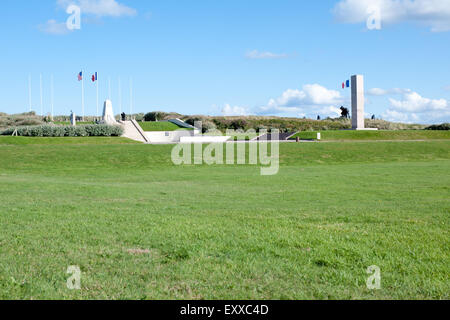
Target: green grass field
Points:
(141, 228)
(160, 126)
(351, 135)
(4, 140)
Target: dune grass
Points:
(141, 228)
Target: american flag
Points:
(80, 76)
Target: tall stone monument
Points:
(358, 102)
(73, 119)
(108, 114)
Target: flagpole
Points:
(40, 85)
(131, 97)
(29, 91)
(97, 93)
(52, 94)
(82, 96)
(120, 96)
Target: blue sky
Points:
(284, 57)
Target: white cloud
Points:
(432, 13)
(415, 108)
(330, 111)
(316, 94)
(311, 101)
(95, 8)
(376, 92)
(413, 102)
(384, 92)
(395, 116)
(54, 27)
(255, 54)
(100, 8)
(234, 111)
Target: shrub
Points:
(78, 131)
(155, 116)
(444, 126)
(103, 130)
(139, 117)
(208, 126)
(65, 131)
(261, 127)
(239, 124)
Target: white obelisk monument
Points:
(358, 102)
(108, 114)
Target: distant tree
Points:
(444, 126)
(47, 118)
(318, 117)
(345, 113)
(208, 126)
(151, 116)
(239, 124)
(373, 117)
(155, 116)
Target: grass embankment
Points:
(160, 126)
(344, 135)
(141, 228)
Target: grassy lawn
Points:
(343, 135)
(160, 126)
(243, 136)
(141, 228)
(234, 136)
(5, 140)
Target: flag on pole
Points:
(343, 85)
(95, 79)
(348, 83)
(80, 78)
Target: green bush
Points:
(444, 126)
(239, 124)
(65, 131)
(78, 131)
(193, 120)
(103, 131)
(155, 116)
(139, 117)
